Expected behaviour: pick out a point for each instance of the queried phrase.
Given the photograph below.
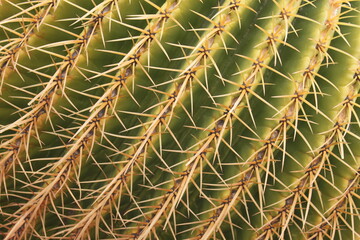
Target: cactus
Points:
(179, 119)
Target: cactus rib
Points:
(335, 136)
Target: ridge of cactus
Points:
(335, 136)
(219, 127)
(13, 47)
(109, 191)
(43, 102)
(320, 162)
(66, 164)
(277, 134)
(181, 119)
(159, 118)
(335, 212)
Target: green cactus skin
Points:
(179, 119)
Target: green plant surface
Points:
(179, 119)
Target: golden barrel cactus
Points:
(179, 119)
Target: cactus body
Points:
(180, 119)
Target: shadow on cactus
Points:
(179, 119)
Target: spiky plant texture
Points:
(179, 119)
